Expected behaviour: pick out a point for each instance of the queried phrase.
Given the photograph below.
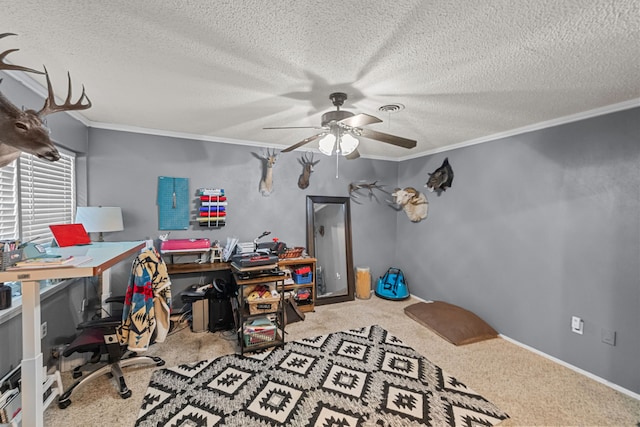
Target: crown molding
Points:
(626, 105)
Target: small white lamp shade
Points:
(99, 219)
(348, 144)
(326, 144)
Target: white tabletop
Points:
(103, 255)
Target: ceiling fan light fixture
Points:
(348, 144)
(342, 129)
(326, 144)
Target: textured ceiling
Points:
(223, 70)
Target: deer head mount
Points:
(307, 169)
(268, 161)
(25, 130)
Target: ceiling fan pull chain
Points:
(337, 158)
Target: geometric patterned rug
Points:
(360, 377)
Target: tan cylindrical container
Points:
(363, 283)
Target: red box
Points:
(302, 270)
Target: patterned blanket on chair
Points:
(147, 302)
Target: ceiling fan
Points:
(340, 130)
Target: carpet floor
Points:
(533, 390)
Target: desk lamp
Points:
(100, 219)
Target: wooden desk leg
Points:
(31, 366)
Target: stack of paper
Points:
(70, 261)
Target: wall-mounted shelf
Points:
(211, 209)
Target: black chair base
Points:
(115, 369)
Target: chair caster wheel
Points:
(158, 361)
(63, 404)
(126, 394)
(76, 375)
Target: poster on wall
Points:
(173, 203)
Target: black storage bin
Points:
(220, 311)
(220, 315)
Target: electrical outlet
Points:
(608, 336)
(577, 325)
(43, 330)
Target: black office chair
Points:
(110, 338)
(111, 316)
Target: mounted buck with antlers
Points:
(307, 169)
(25, 130)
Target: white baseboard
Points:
(575, 368)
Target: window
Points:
(42, 192)
(34, 194)
(47, 195)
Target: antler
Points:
(271, 155)
(5, 66)
(305, 160)
(50, 105)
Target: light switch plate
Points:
(576, 325)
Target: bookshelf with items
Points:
(212, 207)
(300, 282)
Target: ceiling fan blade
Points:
(295, 127)
(353, 155)
(303, 142)
(360, 120)
(389, 139)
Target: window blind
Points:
(9, 202)
(47, 195)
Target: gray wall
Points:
(538, 228)
(124, 169)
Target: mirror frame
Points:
(311, 200)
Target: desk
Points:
(104, 256)
(305, 306)
(185, 268)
